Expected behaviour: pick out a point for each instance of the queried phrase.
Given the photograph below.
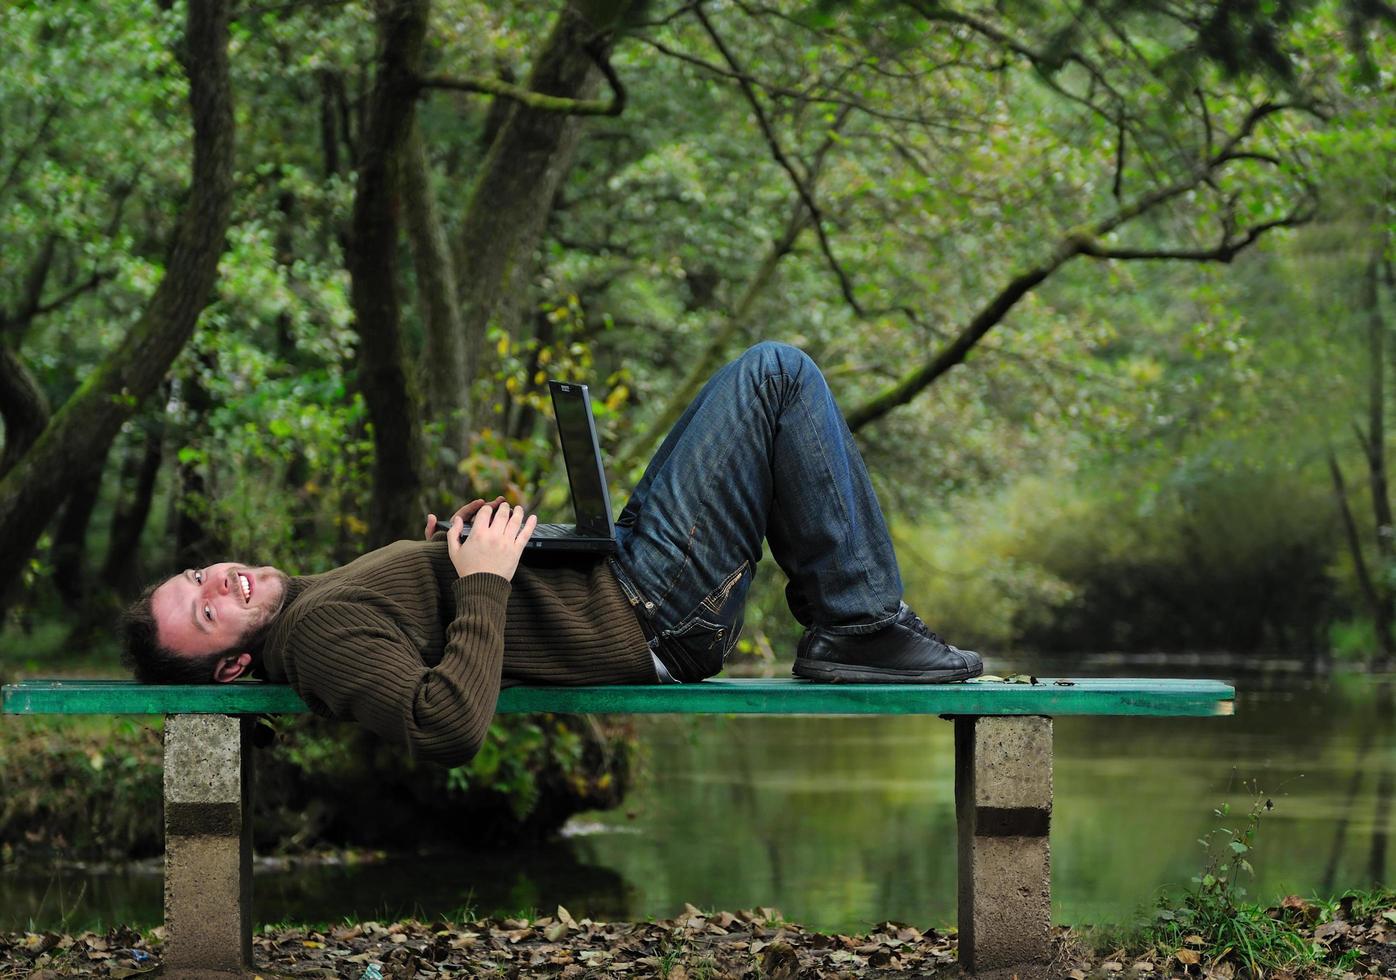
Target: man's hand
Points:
(497, 539)
(466, 513)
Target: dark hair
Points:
(152, 663)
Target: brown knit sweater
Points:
(398, 642)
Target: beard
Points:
(252, 640)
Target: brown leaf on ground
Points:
(750, 945)
(1331, 930)
(781, 962)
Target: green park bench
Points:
(1003, 784)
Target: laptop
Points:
(594, 530)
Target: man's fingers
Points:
(470, 508)
(497, 539)
(484, 514)
(469, 511)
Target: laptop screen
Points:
(576, 429)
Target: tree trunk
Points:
(1375, 449)
(521, 416)
(1359, 563)
(331, 96)
(1386, 786)
(509, 205)
(70, 539)
(383, 375)
(23, 408)
(121, 570)
(85, 426)
(446, 361)
(195, 542)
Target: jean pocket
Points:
(699, 644)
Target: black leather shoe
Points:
(906, 652)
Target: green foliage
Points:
(90, 788)
(519, 750)
(1133, 446)
(531, 774)
(1352, 640)
(1215, 911)
(69, 787)
(1109, 561)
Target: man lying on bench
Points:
(414, 640)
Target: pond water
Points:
(844, 822)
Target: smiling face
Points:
(206, 610)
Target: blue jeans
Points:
(763, 451)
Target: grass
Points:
(705, 969)
(1243, 932)
(1262, 940)
(671, 956)
(1213, 922)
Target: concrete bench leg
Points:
(1003, 804)
(208, 846)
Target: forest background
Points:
(1105, 290)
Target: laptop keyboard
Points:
(544, 531)
(555, 531)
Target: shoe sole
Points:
(830, 673)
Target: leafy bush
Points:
(92, 789)
(1225, 558)
(325, 783)
(81, 788)
(1214, 923)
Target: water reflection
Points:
(844, 822)
(424, 886)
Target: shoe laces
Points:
(916, 624)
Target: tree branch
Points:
(537, 100)
(816, 216)
(635, 450)
(1047, 67)
(34, 281)
(1117, 186)
(23, 408)
(64, 298)
(1360, 435)
(12, 175)
(1224, 251)
(770, 88)
(673, 15)
(32, 304)
(630, 454)
(1074, 243)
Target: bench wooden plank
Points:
(780, 696)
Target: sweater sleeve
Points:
(362, 666)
